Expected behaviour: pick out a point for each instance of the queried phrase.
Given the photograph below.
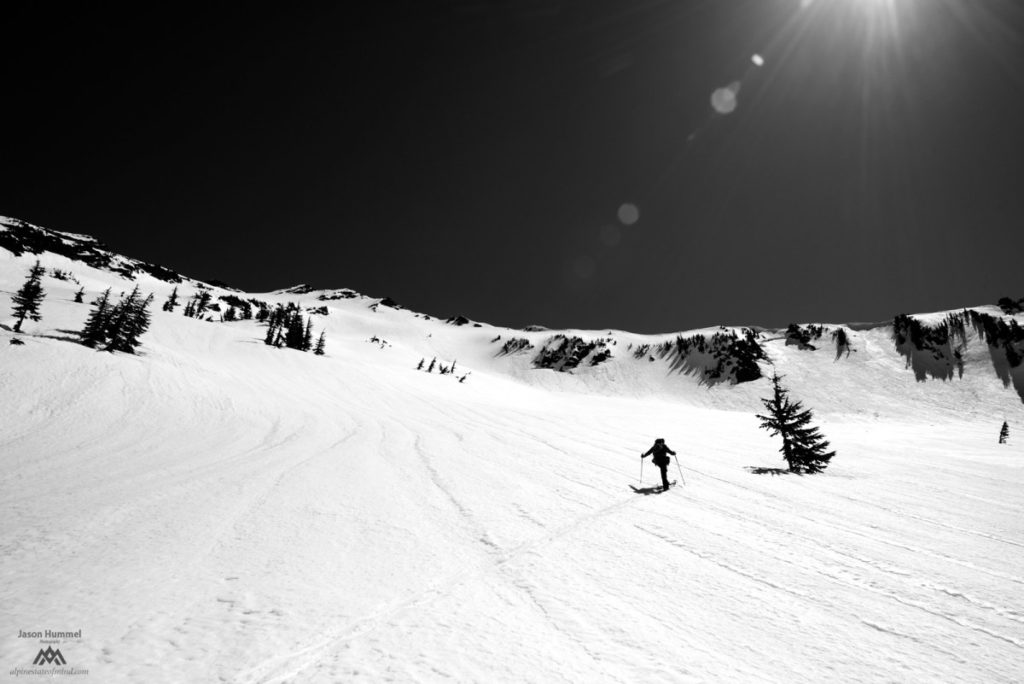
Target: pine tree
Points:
(295, 329)
(307, 335)
(1004, 433)
(273, 325)
(79, 295)
(29, 297)
(430, 368)
(202, 301)
(271, 335)
(321, 344)
(172, 301)
(128, 320)
(230, 314)
(420, 366)
(95, 330)
(138, 323)
(803, 446)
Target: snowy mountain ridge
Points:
(216, 508)
(712, 357)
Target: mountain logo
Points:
(49, 656)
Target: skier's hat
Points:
(660, 440)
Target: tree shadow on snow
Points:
(940, 362)
(1008, 374)
(65, 336)
(757, 470)
(701, 365)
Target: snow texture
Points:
(215, 509)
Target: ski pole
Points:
(683, 479)
(641, 471)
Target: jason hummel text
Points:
(48, 634)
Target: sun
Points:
(880, 19)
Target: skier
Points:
(661, 459)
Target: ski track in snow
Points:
(216, 510)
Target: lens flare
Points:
(629, 214)
(724, 100)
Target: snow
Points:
(214, 509)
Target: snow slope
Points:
(215, 509)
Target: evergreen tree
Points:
(420, 366)
(95, 330)
(192, 309)
(138, 323)
(202, 301)
(128, 320)
(268, 339)
(29, 297)
(307, 335)
(230, 314)
(430, 368)
(295, 329)
(803, 446)
(1004, 433)
(321, 344)
(79, 295)
(172, 301)
(273, 325)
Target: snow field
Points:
(218, 510)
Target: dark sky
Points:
(474, 157)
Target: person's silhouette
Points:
(660, 458)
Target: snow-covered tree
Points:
(29, 297)
(79, 295)
(1004, 433)
(803, 446)
(321, 344)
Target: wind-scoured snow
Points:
(215, 509)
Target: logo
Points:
(49, 656)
